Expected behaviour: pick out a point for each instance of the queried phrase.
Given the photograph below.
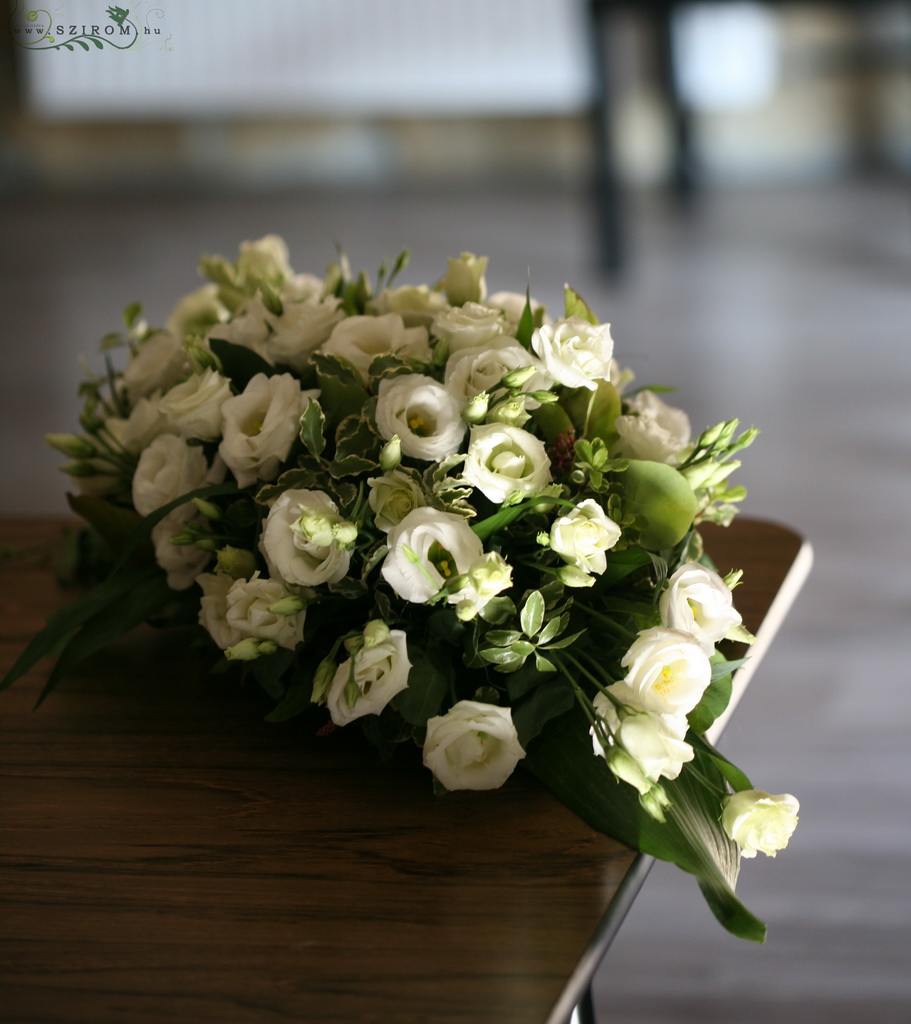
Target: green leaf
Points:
(132, 606)
(532, 617)
(715, 698)
(502, 637)
(561, 756)
(551, 699)
(341, 392)
(575, 305)
(593, 412)
(131, 314)
(311, 428)
(498, 610)
(526, 326)
(663, 498)
(731, 772)
(296, 701)
(73, 617)
(240, 364)
(268, 670)
(553, 628)
(428, 684)
(113, 522)
(621, 564)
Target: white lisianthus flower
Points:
(159, 362)
(759, 822)
(168, 468)
(182, 562)
(427, 548)
(488, 576)
(213, 608)
(574, 352)
(365, 683)
(260, 426)
(301, 288)
(249, 611)
(655, 742)
(360, 339)
(195, 313)
(699, 602)
(667, 672)
(138, 430)
(300, 330)
(305, 540)
(470, 371)
(468, 326)
(249, 328)
(417, 305)
(503, 459)
(423, 414)
(193, 407)
(392, 496)
(472, 746)
(582, 536)
(265, 259)
(512, 305)
(654, 430)
(464, 279)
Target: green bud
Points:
(72, 445)
(511, 412)
(207, 544)
(518, 377)
(81, 469)
(345, 533)
(184, 538)
(322, 679)
(711, 435)
(466, 611)
(246, 650)
(654, 802)
(207, 508)
(627, 769)
(391, 453)
(572, 576)
(544, 397)
(464, 280)
(238, 563)
(201, 357)
(375, 632)
(476, 409)
(290, 605)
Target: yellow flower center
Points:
(419, 426)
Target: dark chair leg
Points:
(608, 203)
(683, 171)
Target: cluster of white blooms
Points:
(448, 389)
(643, 717)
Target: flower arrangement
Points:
(444, 515)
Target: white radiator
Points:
(203, 59)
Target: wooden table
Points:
(167, 855)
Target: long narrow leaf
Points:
(135, 606)
(691, 837)
(72, 617)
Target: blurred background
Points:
(726, 183)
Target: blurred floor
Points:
(789, 308)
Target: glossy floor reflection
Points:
(788, 308)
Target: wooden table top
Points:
(165, 854)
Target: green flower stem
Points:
(607, 622)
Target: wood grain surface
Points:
(165, 854)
